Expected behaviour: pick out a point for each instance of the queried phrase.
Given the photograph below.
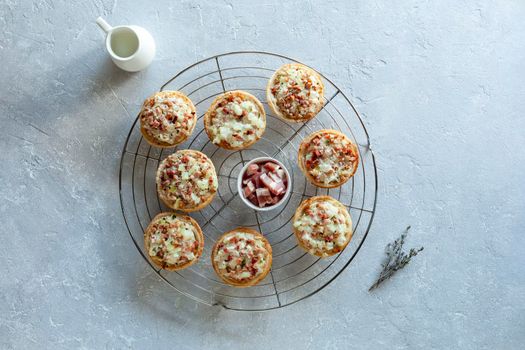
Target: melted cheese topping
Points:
(297, 92)
(323, 227)
(236, 121)
(173, 240)
(187, 178)
(330, 158)
(241, 256)
(167, 118)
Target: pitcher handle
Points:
(104, 25)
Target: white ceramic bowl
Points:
(288, 184)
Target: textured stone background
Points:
(440, 85)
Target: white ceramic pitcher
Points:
(131, 48)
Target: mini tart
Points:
(235, 120)
(295, 92)
(167, 118)
(328, 158)
(242, 257)
(173, 241)
(186, 180)
(322, 226)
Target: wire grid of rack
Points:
(295, 274)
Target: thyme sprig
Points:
(396, 259)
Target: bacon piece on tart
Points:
(295, 92)
(242, 257)
(322, 226)
(186, 180)
(328, 158)
(167, 118)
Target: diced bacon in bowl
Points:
(271, 166)
(266, 180)
(249, 189)
(275, 177)
(277, 188)
(263, 184)
(256, 178)
(252, 169)
(263, 197)
(253, 198)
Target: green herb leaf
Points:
(395, 259)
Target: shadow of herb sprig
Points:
(395, 259)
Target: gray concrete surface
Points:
(440, 85)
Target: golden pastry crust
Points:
(327, 214)
(170, 225)
(232, 110)
(328, 158)
(167, 118)
(295, 92)
(186, 180)
(222, 255)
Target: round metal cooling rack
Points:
(295, 274)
